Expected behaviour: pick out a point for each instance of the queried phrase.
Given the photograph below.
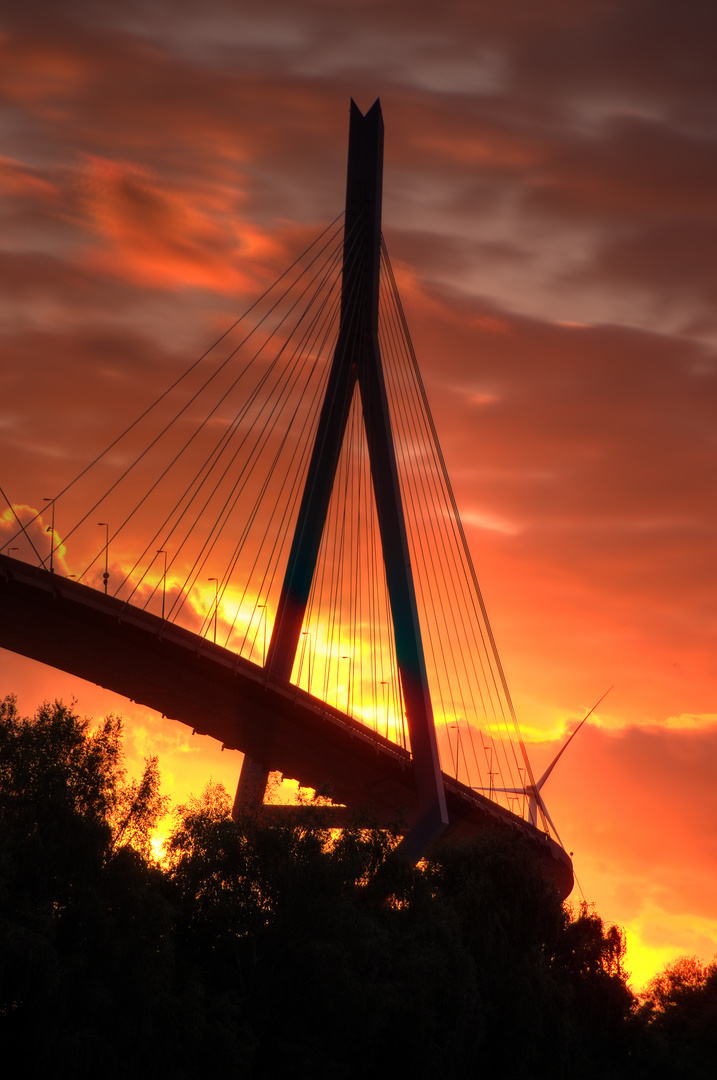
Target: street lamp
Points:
(348, 688)
(491, 774)
(307, 634)
(106, 575)
(454, 761)
(263, 616)
(51, 530)
(384, 684)
(164, 579)
(459, 747)
(216, 604)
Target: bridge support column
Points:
(251, 788)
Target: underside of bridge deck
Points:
(69, 626)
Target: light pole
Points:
(459, 747)
(307, 634)
(450, 746)
(491, 774)
(51, 530)
(348, 688)
(263, 616)
(384, 684)
(164, 579)
(106, 575)
(216, 604)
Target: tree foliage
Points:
(259, 949)
(79, 908)
(679, 1007)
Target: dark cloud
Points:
(673, 259)
(632, 170)
(643, 48)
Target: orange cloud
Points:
(491, 324)
(42, 73)
(168, 238)
(490, 150)
(637, 808)
(16, 178)
(27, 534)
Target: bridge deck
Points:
(72, 627)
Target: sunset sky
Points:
(550, 206)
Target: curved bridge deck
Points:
(72, 627)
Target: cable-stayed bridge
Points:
(271, 552)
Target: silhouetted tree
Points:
(285, 927)
(679, 1007)
(82, 923)
(262, 948)
(596, 1000)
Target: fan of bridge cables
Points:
(198, 497)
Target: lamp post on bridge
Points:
(51, 530)
(307, 634)
(384, 684)
(491, 773)
(164, 579)
(454, 761)
(263, 649)
(106, 575)
(216, 604)
(348, 687)
(459, 747)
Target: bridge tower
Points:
(357, 368)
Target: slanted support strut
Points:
(357, 358)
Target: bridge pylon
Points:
(357, 366)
